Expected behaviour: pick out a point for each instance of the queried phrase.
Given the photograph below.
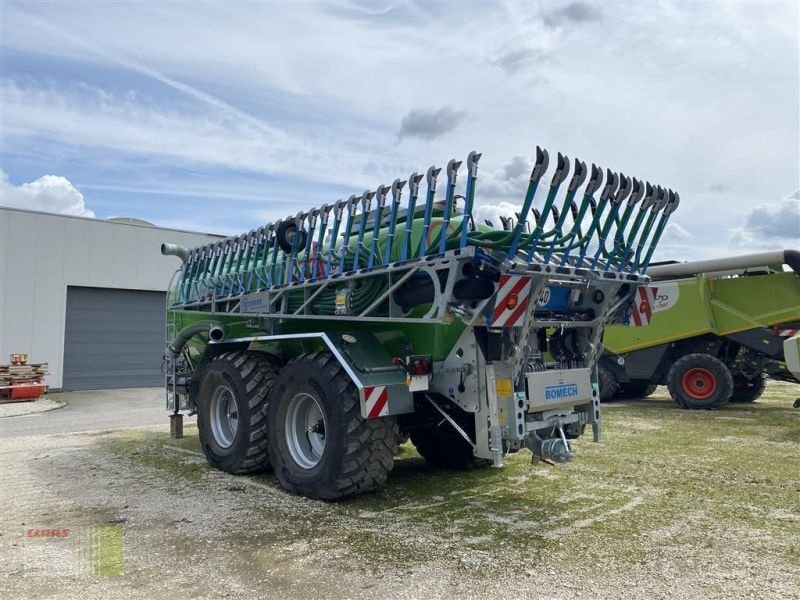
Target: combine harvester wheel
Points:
(636, 390)
(748, 390)
(609, 387)
(700, 381)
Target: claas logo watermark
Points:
(89, 551)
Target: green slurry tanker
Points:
(710, 330)
(312, 345)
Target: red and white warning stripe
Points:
(642, 309)
(377, 401)
(513, 295)
(786, 332)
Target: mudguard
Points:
(382, 385)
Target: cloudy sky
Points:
(220, 117)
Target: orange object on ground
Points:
(25, 390)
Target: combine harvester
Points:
(313, 343)
(710, 330)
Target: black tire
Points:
(748, 390)
(636, 389)
(609, 387)
(358, 453)
(700, 381)
(248, 378)
(285, 233)
(443, 447)
(438, 442)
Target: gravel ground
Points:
(92, 410)
(673, 504)
(33, 407)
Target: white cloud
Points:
(429, 124)
(770, 227)
(316, 96)
(501, 193)
(508, 182)
(493, 212)
(50, 193)
(781, 221)
(517, 58)
(675, 232)
(174, 134)
(572, 14)
(193, 92)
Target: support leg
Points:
(176, 426)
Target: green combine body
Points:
(734, 317)
(310, 346)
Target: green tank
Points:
(311, 346)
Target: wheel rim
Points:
(699, 383)
(305, 430)
(224, 416)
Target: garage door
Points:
(113, 338)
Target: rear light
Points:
(512, 301)
(415, 365)
(420, 367)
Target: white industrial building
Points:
(86, 296)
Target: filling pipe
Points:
(214, 329)
(175, 250)
(732, 263)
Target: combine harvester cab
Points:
(313, 344)
(710, 330)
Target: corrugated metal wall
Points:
(113, 338)
(42, 254)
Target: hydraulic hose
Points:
(370, 289)
(214, 329)
(603, 234)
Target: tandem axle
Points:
(313, 345)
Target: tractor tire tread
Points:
(370, 444)
(258, 372)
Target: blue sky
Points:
(220, 117)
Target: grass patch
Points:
(664, 481)
(152, 450)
